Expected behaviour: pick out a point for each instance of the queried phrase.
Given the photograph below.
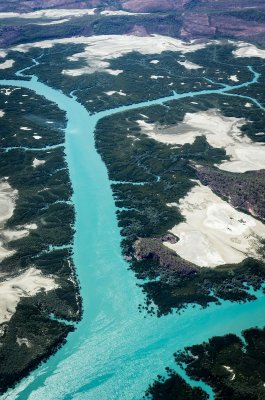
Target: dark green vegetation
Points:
(43, 198)
(234, 367)
(137, 79)
(173, 388)
(245, 359)
(148, 175)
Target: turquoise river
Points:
(115, 353)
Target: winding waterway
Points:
(115, 351)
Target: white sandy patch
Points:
(26, 284)
(214, 232)
(8, 91)
(37, 137)
(14, 235)
(7, 207)
(120, 12)
(102, 48)
(25, 341)
(189, 65)
(2, 113)
(7, 64)
(49, 13)
(234, 78)
(220, 132)
(229, 369)
(7, 202)
(111, 92)
(154, 62)
(8, 198)
(248, 50)
(31, 226)
(37, 162)
(3, 53)
(56, 22)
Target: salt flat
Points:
(214, 233)
(220, 132)
(100, 49)
(26, 284)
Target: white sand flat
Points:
(26, 284)
(214, 232)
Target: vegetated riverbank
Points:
(37, 218)
(89, 260)
(233, 366)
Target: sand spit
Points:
(214, 232)
(26, 284)
(220, 132)
(100, 49)
(7, 64)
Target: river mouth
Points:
(115, 351)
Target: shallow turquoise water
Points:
(115, 352)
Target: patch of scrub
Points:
(7, 64)
(214, 233)
(189, 65)
(220, 132)
(100, 49)
(26, 284)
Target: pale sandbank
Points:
(220, 132)
(36, 162)
(7, 64)
(214, 233)
(189, 65)
(26, 284)
(49, 13)
(100, 49)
